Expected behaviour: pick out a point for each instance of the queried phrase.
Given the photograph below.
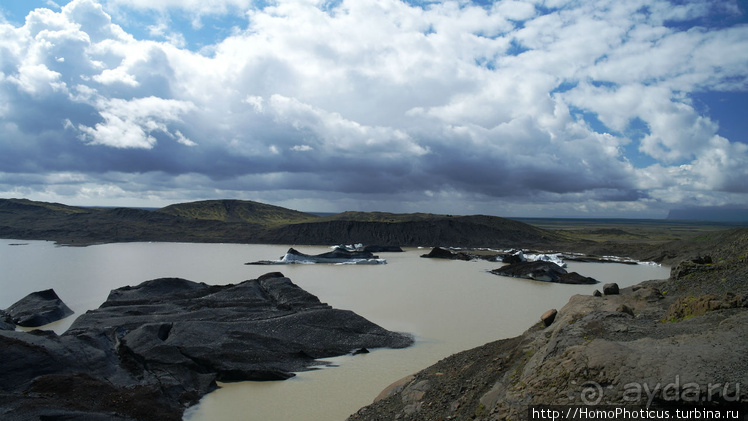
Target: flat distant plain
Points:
(636, 230)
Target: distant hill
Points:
(418, 229)
(29, 220)
(8, 206)
(252, 222)
(710, 213)
(237, 211)
(246, 222)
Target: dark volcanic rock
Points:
(441, 253)
(382, 249)
(511, 258)
(611, 289)
(6, 322)
(338, 255)
(577, 279)
(164, 343)
(38, 309)
(413, 230)
(543, 271)
(539, 271)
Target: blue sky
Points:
(594, 108)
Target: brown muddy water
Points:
(448, 306)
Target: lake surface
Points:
(448, 306)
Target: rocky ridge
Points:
(659, 343)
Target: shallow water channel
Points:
(448, 306)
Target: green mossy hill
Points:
(237, 211)
(15, 206)
(28, 220)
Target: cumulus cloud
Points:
(129, 124)
(438, 102)
(195, 6)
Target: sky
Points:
(534, 108)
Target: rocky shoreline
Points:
(675, 342)
(152, 350)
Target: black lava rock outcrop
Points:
(6, 322)
(375, 248)
(337, 256)
(442, 253)
(152, 350)
(543, 271)
(38, 309)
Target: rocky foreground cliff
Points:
(680, 341)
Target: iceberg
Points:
(556, 258)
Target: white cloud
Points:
(445, 98)
(302, 148)
(194, 6)
(182, 139)
(37, 79)
(162, 30)
(723, 167)
(515, 10)
(131, 124)
(336, 134)
(90, 17)
(118, 75)
(677, 131)
(255, 101)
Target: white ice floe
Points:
(556, 258)
(349, 247)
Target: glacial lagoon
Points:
(447, 305)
